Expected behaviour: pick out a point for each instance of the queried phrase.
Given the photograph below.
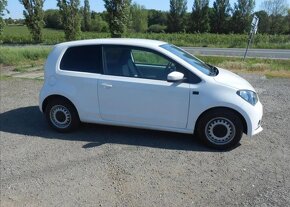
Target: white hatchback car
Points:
(147, 84)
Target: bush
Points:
(157, 28)
(52, 19)
(99, 25)
(20, 35)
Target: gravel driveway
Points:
(113, 166)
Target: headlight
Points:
(249, 96)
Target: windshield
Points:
(195, 62)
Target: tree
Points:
(70, 17)
(220, 16)
(87, 16)
(98, 23)
(199, 16)
(241, 20)
(34, 14)
(176, 16)
(276, 10)
(3, 4)
(118, 16)
(52, 19)
(139, 18)
(156, 17)
(275, 7)
(263, 26)
(287, 19)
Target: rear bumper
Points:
(41, 99)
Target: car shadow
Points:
(29, 121)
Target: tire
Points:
(220, 129)
(62, 115)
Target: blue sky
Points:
(16, 9)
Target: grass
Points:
(269, 67)
(22, 59)
(250, 64)
(3, 77)
(277, 74)
(20, 35)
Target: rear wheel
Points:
(220, 129)
(62, 115)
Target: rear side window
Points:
(83, 59)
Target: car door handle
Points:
(105, 85)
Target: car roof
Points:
(114, 41)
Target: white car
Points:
(147, 84)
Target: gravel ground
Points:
(113, 166)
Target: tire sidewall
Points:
(222, 113)
(74, 123)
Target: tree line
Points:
(123, 16)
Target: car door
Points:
(134, 89)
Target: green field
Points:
(20, 35)
(22, 59)
(23, 56)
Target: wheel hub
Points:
(60, 116)
(220, 131)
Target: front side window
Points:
(86, 58)
(137, 62)
(141, 63)
(152, 65)
(195, 62)
(148, 58)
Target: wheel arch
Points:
(54, 97)
(245, 126)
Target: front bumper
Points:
(258, 130)
(255, 120)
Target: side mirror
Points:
(175, 76)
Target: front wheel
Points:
(61, 115)
(220, 129)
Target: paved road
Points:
(239, 52)
(235, 52)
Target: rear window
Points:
(83, 59)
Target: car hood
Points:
(230, 79)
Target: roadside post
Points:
(254, 28)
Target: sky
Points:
(16, 9)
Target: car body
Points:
(146, 84)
